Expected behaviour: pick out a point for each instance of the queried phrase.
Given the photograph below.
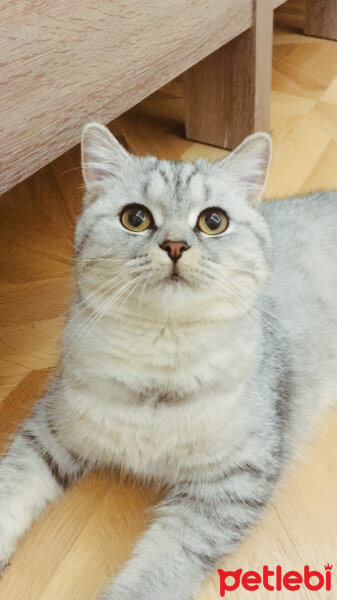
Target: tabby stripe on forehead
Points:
(63, 479)
(164, 176)
(193, 172)
(154, 169)
(145, 189)
(178, 174)
(152, 164)
(207, 191)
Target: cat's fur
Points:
(205, 384)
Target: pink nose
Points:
(174, 249)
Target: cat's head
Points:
(171, 235)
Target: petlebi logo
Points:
(275, 579)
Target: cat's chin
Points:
(178, 279)
(175, 278)
(175, 281)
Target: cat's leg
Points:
(36, 469)
(197, 526)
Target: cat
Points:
(199, 348)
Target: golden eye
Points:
(136, 218)
(213, 221)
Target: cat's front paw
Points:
(8, 542)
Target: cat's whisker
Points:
(117, 279)
(226, 286)
(87, 306)
(233, 268)
(109, 258)
(87, 324)
(104, 308)
(96, 259)
(127, 272)
(140, 298)
(239, 294)
(252, 312)
(136, 283)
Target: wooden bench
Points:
(64, 63)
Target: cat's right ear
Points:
(103, 157)
(249, 163)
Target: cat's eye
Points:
(213, 221)
(136, 217)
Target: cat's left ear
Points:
(249, 162)
(103, 157)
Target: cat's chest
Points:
(150, 441)
(158, 399)
(168, 357)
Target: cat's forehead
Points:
(176, 185)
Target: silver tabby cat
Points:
(200, 346)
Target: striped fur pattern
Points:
(203, 382)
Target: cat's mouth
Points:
(175, 276)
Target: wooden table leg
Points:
(227, 95)
(321, 18)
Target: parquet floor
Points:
(77, 544)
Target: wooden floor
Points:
(86, 537)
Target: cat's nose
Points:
(174, 249)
